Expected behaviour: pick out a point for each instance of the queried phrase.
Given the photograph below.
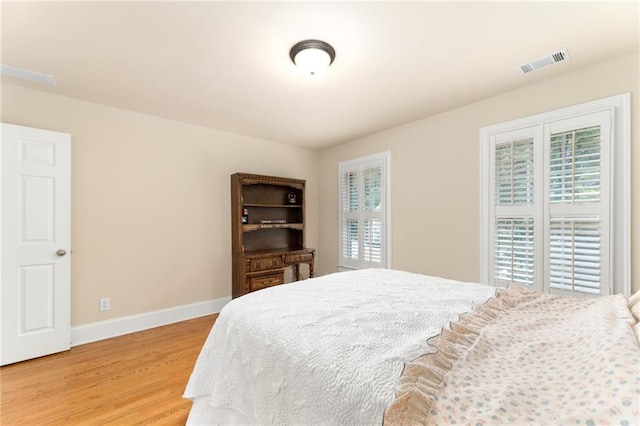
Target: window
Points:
(364, 212)
(555, 191)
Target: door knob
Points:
(61, 252)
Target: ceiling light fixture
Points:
(312, 56)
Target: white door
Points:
(35, 267)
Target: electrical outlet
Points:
(105, 304)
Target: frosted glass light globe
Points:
(312, 61)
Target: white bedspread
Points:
(327, 350)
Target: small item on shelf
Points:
(245, 216)
(272, 221)
(292, 197)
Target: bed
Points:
(391, 347)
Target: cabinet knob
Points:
(61, 252)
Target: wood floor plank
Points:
(138, 378)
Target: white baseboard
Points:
(124, 325)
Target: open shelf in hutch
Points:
(268, 224)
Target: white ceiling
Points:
(226, 65)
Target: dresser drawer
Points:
(264, 264)
(264, 281)
(298, 258)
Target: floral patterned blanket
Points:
(527, 358)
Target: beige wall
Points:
(435, 172)
(151, 226)
(151, 201)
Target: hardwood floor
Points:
(134, 379)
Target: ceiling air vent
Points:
(26, 74)
(553, 58)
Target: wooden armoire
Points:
(268, 228)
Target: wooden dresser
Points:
(267, 224)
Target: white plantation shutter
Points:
(350, 242)
(578, 219)
(350, 202)
(363, 212)
(372, 214)
(372, 241)
(514, 172)
(575, 165)
(575, 255)
(514, 255)
(550, 217)
(372, 187)
(575, 252)
(514, 204)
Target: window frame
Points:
(619, 171)
(358, 164)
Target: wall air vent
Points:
(553, 58)
(24, 74)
